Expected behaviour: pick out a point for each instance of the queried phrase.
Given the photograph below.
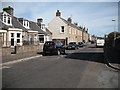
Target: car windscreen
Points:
(58, 44)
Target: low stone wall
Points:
(6, 51)
(112, 54)
(29, 48)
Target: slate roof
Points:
(72, 25)
(48, 31)
(3, 26)
(17, 24)
(1, 15)
(34, 27)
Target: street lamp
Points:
(114, 34)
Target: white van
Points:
(100, 42)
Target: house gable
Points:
(56, 23)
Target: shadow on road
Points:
(89, 56)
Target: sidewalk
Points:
(13, 57)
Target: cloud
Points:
(95, 16)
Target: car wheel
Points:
(75, 48)
(64, 52)
(58, 53)
(44, 54)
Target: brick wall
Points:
(29, 48)
(6, 51)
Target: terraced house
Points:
(64, 30)
(19, 31)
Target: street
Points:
(81, 68)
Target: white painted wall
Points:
(15, 31)
(55, 26)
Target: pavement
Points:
(20, 56)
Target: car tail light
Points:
(54, 45)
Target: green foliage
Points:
(110, 40)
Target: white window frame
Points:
(7, 17)
(61, 29)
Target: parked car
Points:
(51, 47)
(80, 44)
(72, 45)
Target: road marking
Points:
(19, 60)
(4, 67)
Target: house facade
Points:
(44, 33)
(19, 31)
(64, 30)
(11, 36)
(85, 35)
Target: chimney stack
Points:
(39, 22)
(9, 10)
(69, 20)
(58, 13)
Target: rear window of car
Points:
(49, 43)
(72, 43)
(59, 44)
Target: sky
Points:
(96, 16)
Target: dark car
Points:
(51, 47)
(80, 44)
(72, 45)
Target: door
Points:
(12, 41)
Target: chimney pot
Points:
(58, 13)
(9, 10)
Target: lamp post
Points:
(114, 34)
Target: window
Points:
(8, 20)
(75, 31)
(18, 35)
(62, 29)
(41, 38)
(24, 23)
(12, 34)
(27, 23)
(4, 18)
(18, 40)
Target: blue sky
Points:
(96, 16)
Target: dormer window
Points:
(4, 20)
(7, 19)
(26, 24)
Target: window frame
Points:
(62, 29)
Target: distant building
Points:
(64, 30)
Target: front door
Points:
(12, 41)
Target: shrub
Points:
(110, 40)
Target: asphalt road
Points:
(82, 68)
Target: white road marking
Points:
(2, 67)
